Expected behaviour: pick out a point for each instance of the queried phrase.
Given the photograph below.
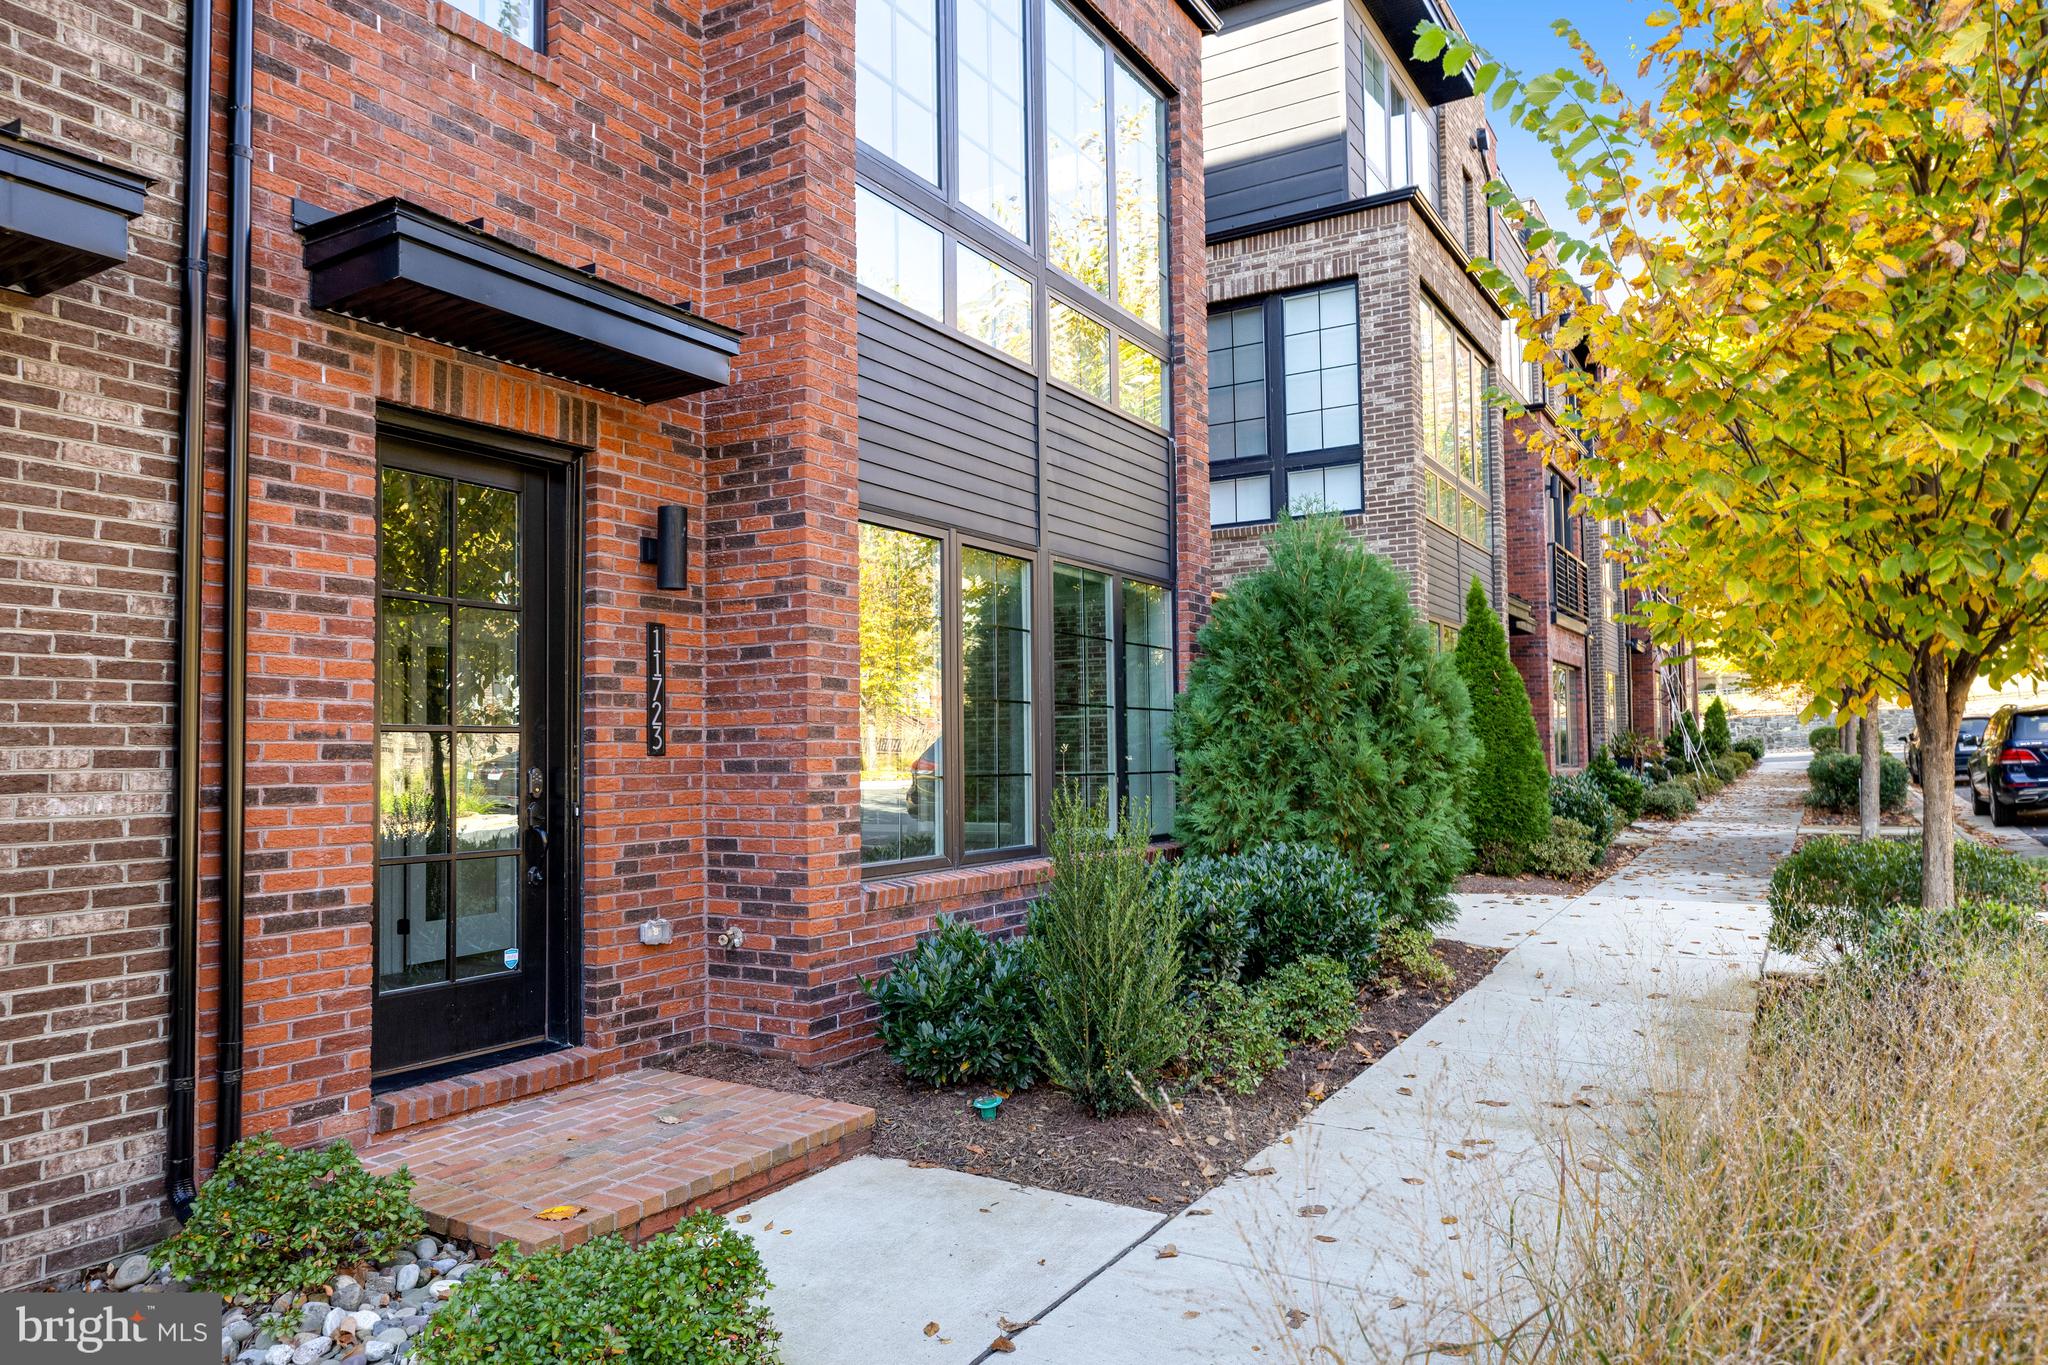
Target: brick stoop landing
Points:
(636, 1152)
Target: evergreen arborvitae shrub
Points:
(1716, 734)
(1508, 796)
(1105, 942)
(1316, 711)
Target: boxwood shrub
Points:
(1841, 892)
(1836, 782)
(1622, 788)
(1669, 801)
(691, 1296)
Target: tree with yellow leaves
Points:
(1818, 314)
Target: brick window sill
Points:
(902, 894)
(473, 30)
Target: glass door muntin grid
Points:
(471, 731)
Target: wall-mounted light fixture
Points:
(668, 549)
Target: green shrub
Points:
(1409, 957)
(1567, 853)
(1308, 901)
(273, 1221)
(1636, 748)
(1233, 1038)
(1669, 801)
(1313, 1000)
(1701, 785)
(1686, 727)
(1508, 792)
(1715, 732)
(1623, 789)
(957, 1008)
(1217, 903)
(1913, 940)
(1105, 944)
(1753, 745)
(1730, 766)
(1825, 739)
(1316, 711)
(690, 1296)
(1836, 782)
(1653, 773)
(1843, 893)
(1577, 797)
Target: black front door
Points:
(472, 689)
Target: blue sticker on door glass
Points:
(511, 958)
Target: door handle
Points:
(536, 854)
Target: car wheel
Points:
(2001, 813)
(1976, 801)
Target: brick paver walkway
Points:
(632, 1153)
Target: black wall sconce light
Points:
(668, 549)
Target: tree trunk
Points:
(1939, 694)
(1870, 744)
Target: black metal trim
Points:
(181, 1177)
(398, 265)
(63, 217)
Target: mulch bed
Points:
(1141, 1159)
(1618, 857)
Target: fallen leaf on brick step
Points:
(667, 1118)
(559, 1213)
(743, 1218)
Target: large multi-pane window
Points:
(930, 709)
(1400, 129)
(1113, 690)
(951, 163)
(994, 136)
(902, 722)
(1148, 702)
(1304, 388)
(1455, 485)
(896, 82)
(995, 700)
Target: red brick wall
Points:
(88, 488)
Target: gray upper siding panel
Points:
(1275, 124)
(1105, 489)
(948, 433)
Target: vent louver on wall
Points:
(63, 218)
(398, 265)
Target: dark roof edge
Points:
(1205, 17)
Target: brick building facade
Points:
(465, 848)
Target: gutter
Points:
(235, 698)
(180, 1177)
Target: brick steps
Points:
(632, 1153)
(414, 1106)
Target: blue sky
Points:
(1518, 33)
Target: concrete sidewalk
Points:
(1389, 1219)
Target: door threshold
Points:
(450, 1068)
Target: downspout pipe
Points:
(235, 691)
(180, 1176)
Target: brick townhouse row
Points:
(1351, 353)
(542, 533)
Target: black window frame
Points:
(952, 736)
(940, 207)
(1278, 462)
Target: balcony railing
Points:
(1568, 584)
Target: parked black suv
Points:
(1969, 735)
(2009, 771)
